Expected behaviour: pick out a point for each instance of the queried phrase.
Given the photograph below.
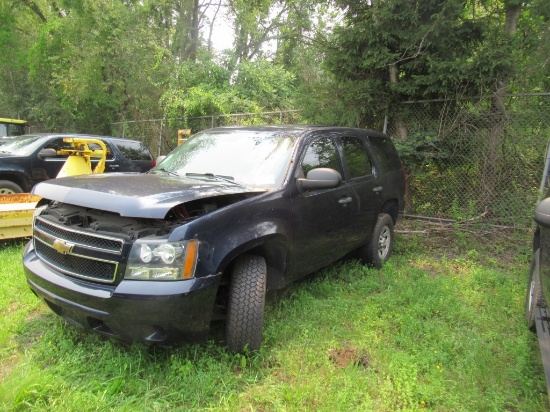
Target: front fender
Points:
(261, 225)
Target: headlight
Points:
(162, 260)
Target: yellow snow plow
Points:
(17, 209)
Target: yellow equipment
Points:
(79, 160)
(12, 127)
(16, 210)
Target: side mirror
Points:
(320, 178)
(45, 153)
(542, 213)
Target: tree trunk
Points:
(400, 129)
(497, 119)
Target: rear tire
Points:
(245, 309)
(379, 249)
(534, 297)
(7, 187)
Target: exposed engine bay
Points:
(113, 224)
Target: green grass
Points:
(439, 328)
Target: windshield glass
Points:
(21, 145)
(247, 157)
(11, 129)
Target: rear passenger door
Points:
(361, 175)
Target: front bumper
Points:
(157, 312)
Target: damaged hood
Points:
(135, 195)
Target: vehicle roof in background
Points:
(13, 121)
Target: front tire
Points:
(535, 297)
(245, 310)
(379, 249)
(7, 187)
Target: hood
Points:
(134, 195)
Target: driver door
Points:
(323, 218)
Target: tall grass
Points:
(439, 328)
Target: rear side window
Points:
(357, 157)
(93, 146)
(385, 151)
(134, 150)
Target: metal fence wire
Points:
(464, 159)
(161, 135)
(471, 160)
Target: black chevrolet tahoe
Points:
(229, 214)
(29, 159)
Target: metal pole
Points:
(160, 137)
(385, 124)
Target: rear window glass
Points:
(385, 151)
(134, 150)
(357, 157)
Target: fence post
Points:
(160, 137)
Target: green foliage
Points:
(392, 51)
(206, 89)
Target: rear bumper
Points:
(148, 311)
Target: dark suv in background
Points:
(24, 163)
(538, 286)
(229, 214)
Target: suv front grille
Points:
(77, 253)
(76, 265)
(93, 241)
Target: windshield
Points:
(21, 145)
(11, 129)
(247, 157)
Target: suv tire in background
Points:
(7, 187)
(534, 298)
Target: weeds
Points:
(439, 328)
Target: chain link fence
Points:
(466, 160)
(161, 135)
(473, 159)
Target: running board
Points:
(542, 320)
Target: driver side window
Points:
(321, 153)
(58, 144)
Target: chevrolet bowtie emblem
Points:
(63, 247)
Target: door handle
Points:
(345, 200)
(377, 189)
(114, 166)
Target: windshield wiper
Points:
(229, 179)
(170, 172)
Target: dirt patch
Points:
(342, 357)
